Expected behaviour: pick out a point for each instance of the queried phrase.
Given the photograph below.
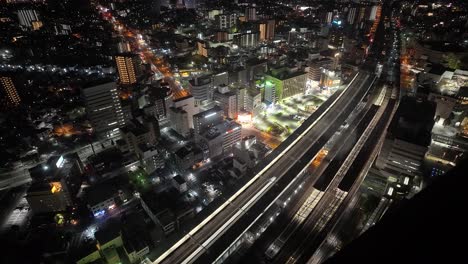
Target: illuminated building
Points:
(200, 88)
(267, 30)
(226, 21)
(206, 119)
(187, 103)
(128, 67)
(220, 138)
(151, 157)
(55, 184)
(336, 40)
(246, 40)
(244, 118)
(329, 79)
(104, 108)
(270, 93)
(202, 48)
(241, 96)
(253, 100)
(227, 100)
(26, 18)
(351, 15)
(36, 25)
(9, 91)
(251, 13)
(316, 67)
(285, 83)
(222, 36)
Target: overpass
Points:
(207, 241)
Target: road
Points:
(270, 173)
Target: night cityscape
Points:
(233, 131)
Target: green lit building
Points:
(281, 83)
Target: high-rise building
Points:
(316, 67)
(253, 100)
(181, 114)
(9, 91)
(227, 100)
(104, 108)
(226, 21)
(270, 34)
(247, 40)
(129, 68)
(26, 17)
(187, 103)
(200, 88)
(351, 15)
(123, 46)
(267, 30)
(241, 96)
(202, 48)
(251, 13)
(161, 97)
(179, 121)
(336, 39)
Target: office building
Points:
(283, 83)
(187, 103)
(227, 100)
(129, 68)
(200, 88)
(9, 91)
(179, 121)
(104, 108)
(220, 138)
(206, 119)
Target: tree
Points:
(452, 61)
